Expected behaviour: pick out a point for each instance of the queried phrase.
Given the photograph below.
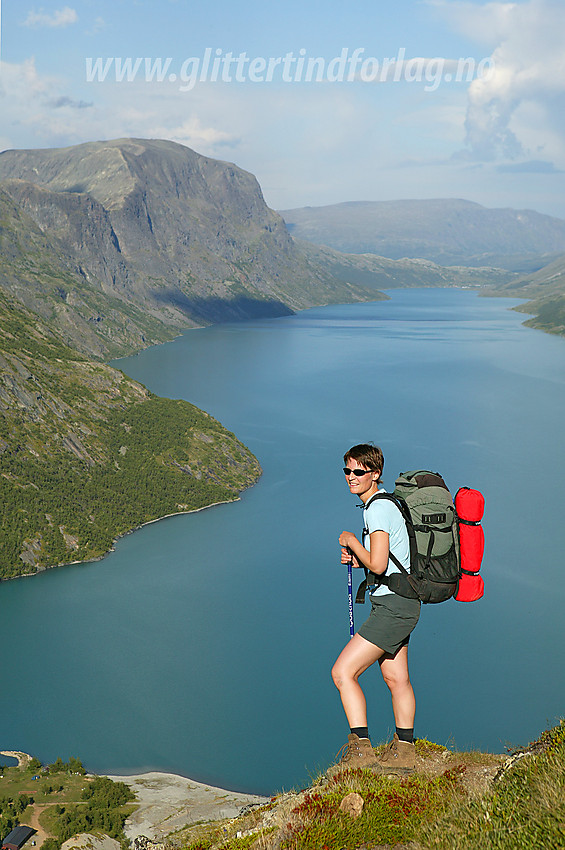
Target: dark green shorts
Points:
(390, 622)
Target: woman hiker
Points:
(384, 636)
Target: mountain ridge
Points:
(371, 270)
(185, 239)
(447, 231)
(132, 241)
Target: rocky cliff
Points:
(150, 237)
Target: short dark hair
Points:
(370, 456)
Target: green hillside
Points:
(545, 290)
(86, 454)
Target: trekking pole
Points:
(350, 593)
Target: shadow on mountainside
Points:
(214, 309)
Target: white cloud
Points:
(527, 79)
(194, 134)
(38, 110)
(98, 26)
(59, 18)
(305, 144)
(486, 24)
(21, 84)
(324, 143)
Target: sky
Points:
(323, 102)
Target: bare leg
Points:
(395, 673)
(354, 659)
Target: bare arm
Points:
(376, 560)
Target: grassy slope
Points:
(454, 801)
(86, 454)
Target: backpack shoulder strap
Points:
(381, 495)
(382, 579)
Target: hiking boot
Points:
(358, 752)
(399, 757)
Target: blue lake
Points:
(202, 645)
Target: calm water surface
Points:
(202, 645)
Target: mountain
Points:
(132, 240)
(122, 244)
(448, 232)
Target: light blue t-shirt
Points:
(383, 515)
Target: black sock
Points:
(360, 731)
(405, 735)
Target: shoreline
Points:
(121, 536)
(167, 802)
(138, 527)
(23, 759)
(179, 513)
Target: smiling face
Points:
(364, 484)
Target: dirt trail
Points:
(33, 819)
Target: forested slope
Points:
(87, 454)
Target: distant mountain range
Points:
(446, 231)
(461, 236)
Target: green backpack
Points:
(427, 506)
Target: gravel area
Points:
(168, 802)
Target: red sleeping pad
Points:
(470, 506)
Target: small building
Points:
(17, 837)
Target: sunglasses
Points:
(358, 473)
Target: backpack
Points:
(428, 509)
